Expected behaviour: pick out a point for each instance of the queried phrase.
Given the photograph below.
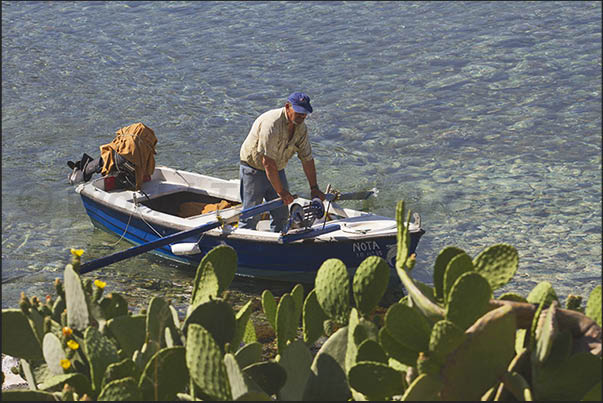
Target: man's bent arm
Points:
(310, 171)
(275, 180)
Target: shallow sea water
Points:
(484, 116)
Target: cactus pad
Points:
(542, 292)
(269, 307)
(497, 264)
(249, 354)
(120, 390)
(458, 265)
(100, 352)
(296, 360)
(332, 287)
(370, 350)
(217, 317)
(468, 299)
(395, 350)
(425, 387)
(53, 353)
(466, 373)
(439, 268)
(268, 375)
(18, 338)
(75, 299)
(376, 380)
(593, 306)
(164, 375)
(205, 364)
(370, 283)
(546, 331)
(312, 319)
(445, 337)
(286, 321)
(222, 262)
(129, 331)
(408, 327)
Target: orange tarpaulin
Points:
(136, 143)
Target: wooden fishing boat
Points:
(176, 201)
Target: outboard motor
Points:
(305, 216)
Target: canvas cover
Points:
(136, 143)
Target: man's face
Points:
(296, 118)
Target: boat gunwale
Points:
(92, 191)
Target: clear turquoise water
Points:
(484, 116)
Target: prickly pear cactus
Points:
(376, 380)
(332, 287)
(511, 296)
(593, 305)
(121, 389)
(444, 257)
(249, 354)
(402, 236)
(217, 317)
(113, 306)
(129, 331)
(370, 283)
(545, 334)
(218, 265)
(119, 370)
(100, 352)
(270, 376)
(574, 303)
(468, 299)
(497, 264)
(297, 293)
(205, 364)
(370, 350)
(54, 353)
(408, 327)
(542, 292)
(425, 387)
(466, 374)
(77, 306)
(241, 320)
(296, 360)
(445, 337)
(159, 316)
(269, 307)
(164, 375)
(457, 266)
(395, 349)
(328, 380)
(312, 319)
(238, 385)
(286, 322)
(18, 338)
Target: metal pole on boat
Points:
(145, 247)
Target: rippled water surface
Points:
(484, 116)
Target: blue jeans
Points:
(254, 188)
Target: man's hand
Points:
(316, 192)
(286, 197)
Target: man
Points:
(273, 139)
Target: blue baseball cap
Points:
(300, 102)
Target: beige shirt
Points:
(269, 136)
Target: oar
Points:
(362, 195)
(145, 247)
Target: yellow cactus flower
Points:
(66, 364)
(77, 252)
(100, 284)
(72, 344)
(67, 331)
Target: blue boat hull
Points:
(293, 262)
